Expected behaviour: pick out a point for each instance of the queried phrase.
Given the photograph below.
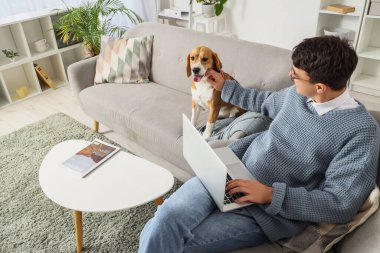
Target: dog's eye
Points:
(192, 58)
(204, 59)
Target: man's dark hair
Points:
(327, 59)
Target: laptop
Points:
(214, 167)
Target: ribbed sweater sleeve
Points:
(265, 102)
(350, 177)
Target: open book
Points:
(90, 157)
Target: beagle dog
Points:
(204, 96)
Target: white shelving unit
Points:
(366, 77)
(186, 20)
(364, 36)
(351, 21)
(18, 33)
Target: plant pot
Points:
(208, 10)
(12, 59)
(88, 52)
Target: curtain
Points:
(13, 7)
(146, 9)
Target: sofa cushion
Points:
(149, 114)
(321, 237)
(123, 60)
(252, 64)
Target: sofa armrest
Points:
(81, 74)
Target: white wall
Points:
(282, 23)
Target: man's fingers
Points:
(236, 182)
(237, 189)
(211, 82)
(242, 199)
(210, 72)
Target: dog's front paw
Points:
(208, 131)
(206, 134)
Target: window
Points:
(12, 7)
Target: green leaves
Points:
(9, 53)
(91, 20)
(218, 9)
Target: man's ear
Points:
(188, 66)
(217, 62)
(321, 88)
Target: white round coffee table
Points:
(121, 182)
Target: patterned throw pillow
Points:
(124, 60)
(321, 237)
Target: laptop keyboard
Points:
(228, 199)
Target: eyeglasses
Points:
(292, 77)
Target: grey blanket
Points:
(236, 128)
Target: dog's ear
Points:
(188, 68)
(217, 62)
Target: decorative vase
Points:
(208, 10)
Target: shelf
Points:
(356, 13)
(367, 84)
(19, 34)
(71, 47)
(6, 63)
(37, 55)
(16, 77)
(71, 56)
(58, 82)
(31, 92)
(3, 94)
(183, 17)
(39, 29)
(370, 53)
(3, 102)
(12, 37)
(52, 66)
(372, 16)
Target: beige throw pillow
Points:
(321, 237)
(124, 60)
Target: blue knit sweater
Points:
(321, 168)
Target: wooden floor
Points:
(40, 106)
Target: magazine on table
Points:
(90, 157)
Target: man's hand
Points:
(254, 191)
(215, 79)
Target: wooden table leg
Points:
(78, 230)
(159, 201)
(96, 126)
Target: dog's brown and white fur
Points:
(204, 96)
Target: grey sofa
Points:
(150, 114)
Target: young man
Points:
(316, 163)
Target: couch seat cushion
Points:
(149, 114)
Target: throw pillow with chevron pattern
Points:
(124, 60)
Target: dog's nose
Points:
(196, 70)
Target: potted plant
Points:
(210, 8)
(91, 20)
(10, 54)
